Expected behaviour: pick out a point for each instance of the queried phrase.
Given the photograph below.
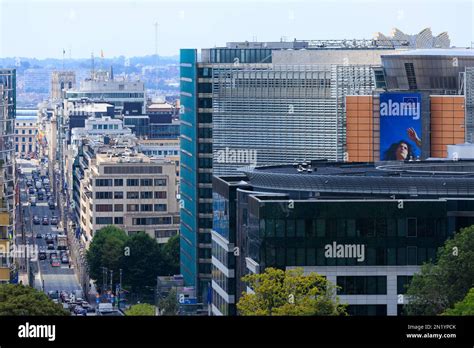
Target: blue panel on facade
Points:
(188, 260)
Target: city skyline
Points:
(59, 26)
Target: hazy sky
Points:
(39, 28)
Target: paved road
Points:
(54, 278)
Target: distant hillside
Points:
(22, 63)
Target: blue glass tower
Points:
(196, 174)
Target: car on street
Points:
(87, 306)
(51, 205)
(78, 310)
(39, 235)
(36, 220)
(64, 259)
(54, 220)
(55, 263)
(45, 220)
(53, 255)
(29, 183)
(31, 191)
(54, 295)
(51, 246)
(42, 255)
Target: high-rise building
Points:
(8, 271)
(254, 103)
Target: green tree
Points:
(464, 307)
(20, 300)
(106, 250)
(171, 256)
(169, 304)
(141, 309)
(278, 292)
(144, 263)
(440, 285)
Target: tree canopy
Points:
(442, 284)
(169, 304)
(141, 309)
(144, 262)
(106, 250)
(139, 256)
(290, 292)
(20, 300)
(171, 256)
(464, 307)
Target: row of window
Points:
(23, 148)
(118, 220)
(222, 255)
(131, 195)
(103, 95)
(23, 131)
(366, 310)
(220, 303)
(226, 284)
(335, 228)
(283, 256)
(131, 207)
(362, 285)
(370, 285)
(161, 152)
(23, 139)
(105, 126)
(165, 233)
(138, 169)
(164, 220)
(130, 182)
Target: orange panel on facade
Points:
(351, 99)
(447, 106)
(436, 100)
(351, 106)
(436, 107)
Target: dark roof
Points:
(445, 178)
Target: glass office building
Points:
(236, 101)
(386, 221)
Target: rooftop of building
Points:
(92, 107)
(431, 168)
(160, 106)
(436, 178)
(447, 52)
(121, 157)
